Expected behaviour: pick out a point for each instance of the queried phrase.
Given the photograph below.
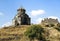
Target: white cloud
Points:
(1, 14)
(37, 21)
(37, 12)
(53, 17)
(34, 16)
(7, 24)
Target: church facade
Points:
(21, 18)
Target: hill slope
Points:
(17, 33)
(12, 33)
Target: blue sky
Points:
(45, 8)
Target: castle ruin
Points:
(49, 21)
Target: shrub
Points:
(58, 24)
(58, 28)
(52, 25)
(47, 25)
(35, 31)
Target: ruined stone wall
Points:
(48, 21)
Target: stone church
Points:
(21, 18)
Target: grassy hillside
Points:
(12, 33)
(17, 33)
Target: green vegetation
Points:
(49, 25)
(35, 31)
(58, 24)
(57, 28)
(30, 33)
(52, 25)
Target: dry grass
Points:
(12, 33)
(17, 33)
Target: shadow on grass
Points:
(58, 28)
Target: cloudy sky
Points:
(36, 9)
